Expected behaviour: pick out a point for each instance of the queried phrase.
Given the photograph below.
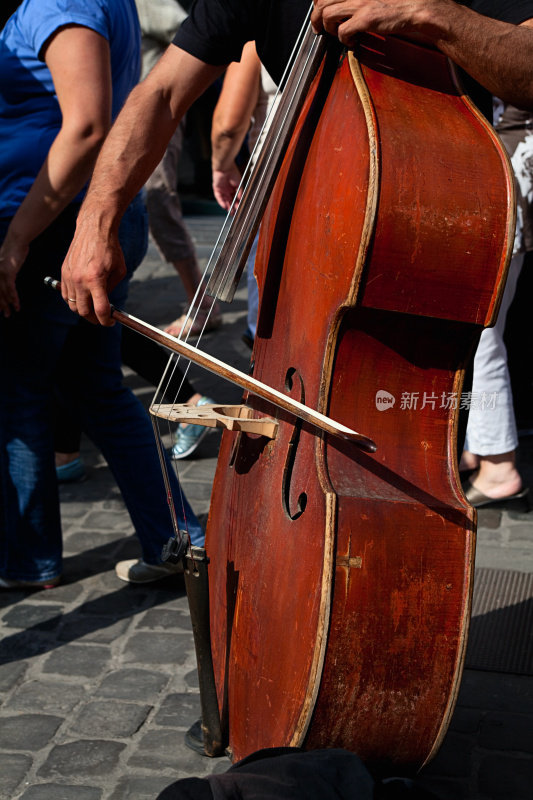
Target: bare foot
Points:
(192, 327)
(497, 476)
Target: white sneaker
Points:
(135, 570)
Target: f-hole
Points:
(293, 378)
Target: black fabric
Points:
(187, 789)
(216, 30)
(515, 11)
(283, 773)
(290, 773)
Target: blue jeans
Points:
(31, 343)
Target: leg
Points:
(491, 437)
(173, 239)
(30, 345)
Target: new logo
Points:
(384, 400)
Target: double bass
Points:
(341, 556)
(340, 579)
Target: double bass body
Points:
(340, 581)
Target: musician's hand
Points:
(225, 185)
(93, 267)
(13, 254)
(346, 18)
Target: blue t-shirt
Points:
(30, 117)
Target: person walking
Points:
(65, 73)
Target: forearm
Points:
(235, 108)
(225, 146)
(129, 155)
(63, 175)
(139, 137)
(135, 145)
(498, 55)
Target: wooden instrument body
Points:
(340, 581)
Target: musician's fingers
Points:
(344, 19)
(9, 299)
(326, 16)
(94, 305)
(68, 287)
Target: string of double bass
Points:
(230, 254)
(231, 251)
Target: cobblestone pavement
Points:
(97, 677)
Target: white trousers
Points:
(491, 428)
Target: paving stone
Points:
(454, 757)
(105, 583)
(489, 517)
(113, 504)
(466, 720)
(507, 732)
(77, 659)
(158, 648)
(13, 768)
(8, 597)
(11, 674)
(56, 791)
(71, 507)
(522, 534)
(491, 536)
(165, 618)
(494, 691)
(110, 720)
(139, 788)
(163, 750)
(84, 540)
(25, 644)
(220, 765)
(177, 602)
(79, 569)
(28, 731)
(107, 521)
(87, 757)
(521, 516)
(502, 777)
(122, 601)
(191, 679)
(65, 593)
(197, 491)
(26, 615)
(133, 684)
(46, 697)
(92, 629)
(179, 710)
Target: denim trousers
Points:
(32, 343)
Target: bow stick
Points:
(239, 378)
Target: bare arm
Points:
(78, 59)
(134, 147)
(498, 55)
(231, 121)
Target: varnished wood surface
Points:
(340, 581)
